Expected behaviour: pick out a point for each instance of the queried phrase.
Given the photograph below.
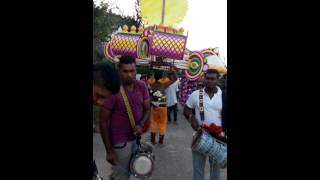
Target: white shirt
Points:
(171, 94)
(212, 107)
(138, 76)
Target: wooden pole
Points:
(163, 9)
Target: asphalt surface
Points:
(173, 159)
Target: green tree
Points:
(105, 22)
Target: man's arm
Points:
(171, 81)
(105, 115)
(190, 117)
(177, 91)
(177, 95)
(146, 110)
(145, 116)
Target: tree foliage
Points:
(105, 22)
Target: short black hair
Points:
(126, 60)
(106, 76)
(143, 77)
(157, 75)
(200, 83)
(213, 71)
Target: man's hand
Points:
(194, 124)
(112, 157)
(155, 104)
(138, 130)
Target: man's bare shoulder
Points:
(158, 86)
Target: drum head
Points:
(142, 166)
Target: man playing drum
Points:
(214, 108)
(117, 133)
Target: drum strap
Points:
(128, 107)
(201, 104)
(222, 139)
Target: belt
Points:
(119, 146)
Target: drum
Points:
(208, 145)
(142, 163)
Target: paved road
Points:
(173, 160)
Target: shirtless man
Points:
(159, 107)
